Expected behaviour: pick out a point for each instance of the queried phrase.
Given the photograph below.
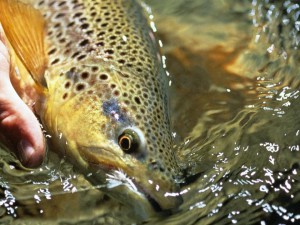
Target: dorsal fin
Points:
(24, 27)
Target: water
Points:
(234, 67)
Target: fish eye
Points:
(129, 141)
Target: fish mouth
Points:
(156, 205)
(116, 178)
(123, 179)
(147, 188)
(156, 201)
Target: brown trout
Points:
(102, 90)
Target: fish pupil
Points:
(125, 143)
(128, 141)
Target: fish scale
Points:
(103, 75)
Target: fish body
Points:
(104, 90)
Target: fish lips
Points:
(162, 195)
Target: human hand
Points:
(18, 123)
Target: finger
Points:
(17, 121)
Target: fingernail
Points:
(25, 151)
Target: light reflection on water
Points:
(234, 99)
(239, 135)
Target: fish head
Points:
(113, 124)
(106, 103)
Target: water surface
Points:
(234, 72)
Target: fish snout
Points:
(170, 201)
(163, 193)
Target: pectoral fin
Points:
(24, 27)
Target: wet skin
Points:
(18, 123)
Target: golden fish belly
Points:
(106, 99)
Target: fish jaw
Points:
(139, 179)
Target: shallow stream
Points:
(234, 71)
